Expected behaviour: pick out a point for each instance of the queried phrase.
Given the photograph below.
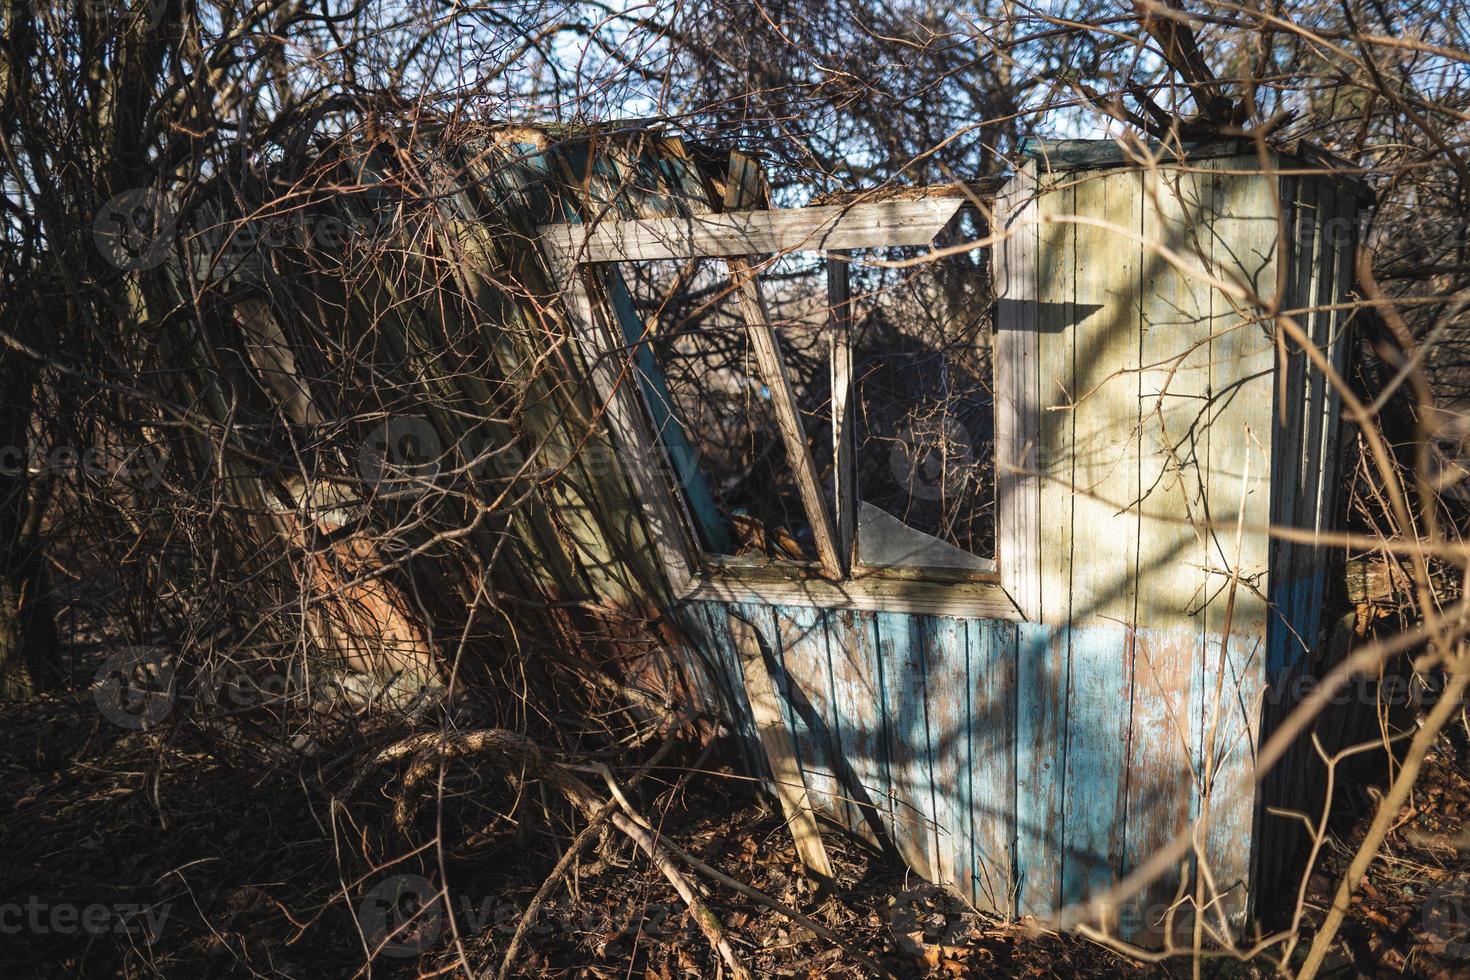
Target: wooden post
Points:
(739, 193)
(844, 455)
(770, 722)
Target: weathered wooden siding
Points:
(1152, 430)
(1145, 440)
(905, 728)
(953, 743)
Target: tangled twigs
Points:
(533, 911)
(577, 845)
(786, 910)
(582, 796)
(711, 926)
(428, 748)
(737, 885)
(518, 750)
(1388, 809)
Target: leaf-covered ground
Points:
(176, 853)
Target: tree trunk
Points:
(29, 659)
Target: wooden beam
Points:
(612, 368)
(839, 302)
(736, 233)
(788, 417)
(740, 191)
(885, 591)
(780, 750)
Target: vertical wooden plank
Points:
(1237, 483)
(695, 652)
(901, 648)
(1096, 759)
(1161, 794)
(1043, 657)
(1104, 456)
(713, 619)
(1104, 386)
(1041, 682)
(1056, 260)
(1174, 378)
(1277, 788)
(948, 693)
(807, 689)
(992, 762)
(844, 451)
(754, 634)
(857, 699)
(1009, 309)
(1174, 356)
(1299, 584)
(1017, 404)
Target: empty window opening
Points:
(829, 410)
(925, 411)
(717, 394)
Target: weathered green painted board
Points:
(1095, 785)
(947, 690)
(1161, 778)
(911, 774)
(707, 626)
(1041, 701)
(1103, 451)
(857, 698)
(857, 708)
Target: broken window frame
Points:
(584, 257)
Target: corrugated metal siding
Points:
(1322, 218)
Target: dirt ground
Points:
(174, 853)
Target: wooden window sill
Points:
(876, 590)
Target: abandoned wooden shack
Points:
(1029, 735)
(1028, 712)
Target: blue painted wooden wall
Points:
(1025, 766)
(1032, 764)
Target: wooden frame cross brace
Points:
(734, 235)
